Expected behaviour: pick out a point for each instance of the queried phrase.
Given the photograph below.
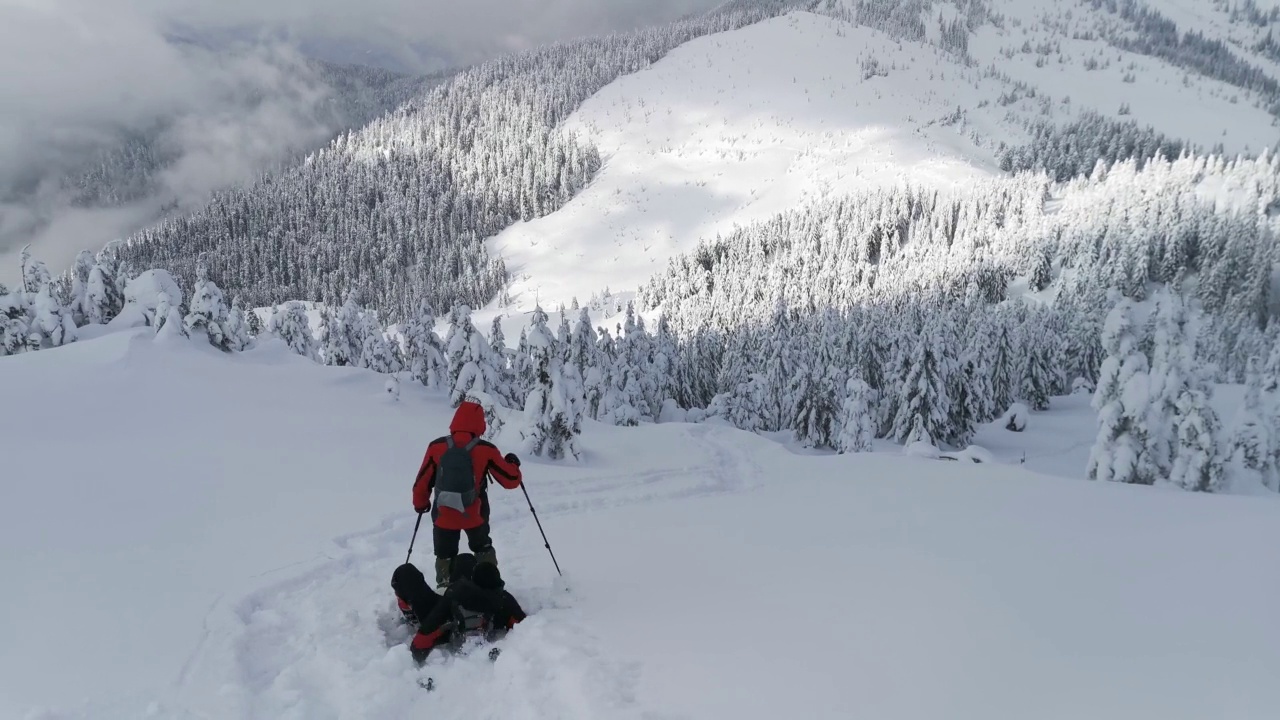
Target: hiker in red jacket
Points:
(454, 470)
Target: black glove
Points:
(511, 458)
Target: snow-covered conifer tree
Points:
(13, 326)
(1004, 365)
(1252, 456)
(552, 417)
(924, 408)
(51, 323)
(208, 311)
(342, 342)
(79, 287)
(253, 324)
(582, 344)
(375, 351)
(35, 274)
(857, 418)
(663, 365)
(1036, 378)
(289, 323)
(1121, 452)
(815, 387)
(169, 322)
(523, 375)
(423, 349)
(471, 368)
(1172, 374)
(1198, 465)
(103, 299)
(236, 328)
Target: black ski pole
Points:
(545, 542)
(414, 538)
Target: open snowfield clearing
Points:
(734, 128)
(191, 535)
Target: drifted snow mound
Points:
(1015, 418)
(973, 454)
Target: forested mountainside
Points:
(397, 212)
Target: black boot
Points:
(442, 574)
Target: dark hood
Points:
(409, 584)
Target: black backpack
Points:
(455, 477)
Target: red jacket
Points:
(468, 423)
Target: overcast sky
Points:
(76, 71)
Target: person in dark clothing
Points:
(449, 522)
(475, 603)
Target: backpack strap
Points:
(449, 441)
(471, 445)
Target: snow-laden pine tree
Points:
(1252, 455)
(103, 299)
(35, 274)
(1271, 372)
(1198, 465)
(169, 321)
(662, 368)
(594, 387)
(582, 344)
(79, 286)
(375, 352)
(741, 402)
(253, 324)
(1037, 373)
(1121, 452)
(623, 402)
(423, 350)
(51, 323)
(207, 314)
(564, 333)
(552, 409)
(961, 418)
(523, 377)
(816, 387)
(503, 363)
(289, 323)
(857, 418)
(342, 341)
(236, 328)
(47, 322)
(774, 384)
(470, 365)
(1005, 381)
(924, 408)
(637, 347)
(1172, 374)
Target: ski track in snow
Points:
(294, 658)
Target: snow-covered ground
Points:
(192, 535)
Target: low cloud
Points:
(224, 84)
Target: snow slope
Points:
(191, 535)
(734, 128)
